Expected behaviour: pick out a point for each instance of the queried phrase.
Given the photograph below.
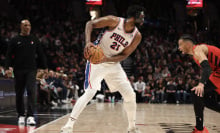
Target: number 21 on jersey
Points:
(115, 46)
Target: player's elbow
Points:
(206, 71)
(89, 23)
(206, 67)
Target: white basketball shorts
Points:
(112, 73)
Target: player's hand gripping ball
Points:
(94, 54)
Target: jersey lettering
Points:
(114, 41)
(115, 46)
(119, 39)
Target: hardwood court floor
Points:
(151, 118)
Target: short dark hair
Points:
(134, 11)
(187, 37)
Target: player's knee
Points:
(90, 93)
(130, 97)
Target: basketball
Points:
(96, 54)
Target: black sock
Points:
(199, 109)
(199, 123)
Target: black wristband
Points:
(206, 71)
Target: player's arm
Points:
(107, 21)
(126, 52)
(200, 53)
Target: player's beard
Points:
(139, 25)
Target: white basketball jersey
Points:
(115, 41)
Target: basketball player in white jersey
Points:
(119, 40)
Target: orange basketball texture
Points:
(96, 54)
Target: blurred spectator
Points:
(43, 89)
(147, 94)
(54, 93)
(160, 91)
(171, 92)
(181, 91)
(157, 75)
(139, 87)
(153, 89)
(9, 73)
(61, 89)
(66, 85)
(165, 72)
(149, 77)
(131, 79)
(2, 72)
(188, 87)
(73, 88)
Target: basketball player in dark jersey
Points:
(208, 58)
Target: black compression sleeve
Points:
(206, 71)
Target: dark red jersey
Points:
(214, 62)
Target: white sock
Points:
(129, 104)
(80, 105)
(130, 108)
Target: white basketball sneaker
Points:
(21, 120)
(66, 129)
(30, 128)
(134, 130)
(31, 121)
